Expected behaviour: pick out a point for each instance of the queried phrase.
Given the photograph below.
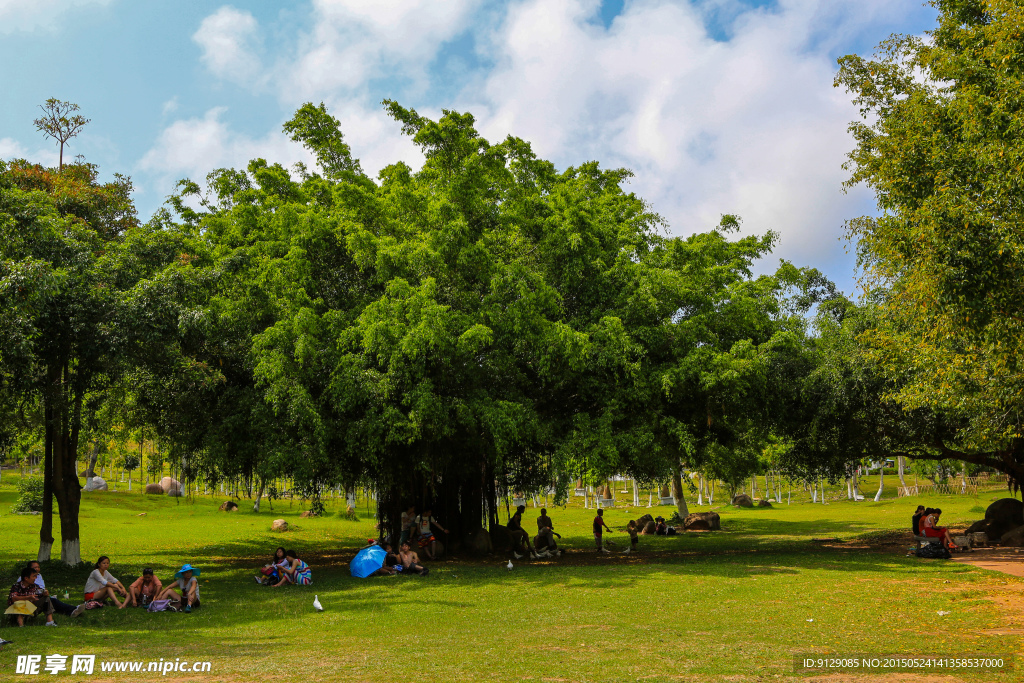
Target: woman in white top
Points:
(101, 585)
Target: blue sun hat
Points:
(186, 568)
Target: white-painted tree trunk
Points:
(900, 465)
(45, 548)
(636, 494)
(586, 497)
(71, 551)
(753, 487)
(700, 490)
(849, 489)
(814, 494)
(881, 483)
(821, 484)
(789, 500)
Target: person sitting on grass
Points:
(933, 530)
(144, 589)
(520, 539)
(599, 527)
(58, 606)
(271, 573)
(296, 572)
(915, 521)
(427, 541)
(411, 561)
(187, 584)
(391, 560)
(101, 585)
(27, 599)
(545, 538)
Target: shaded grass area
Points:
(729, 605)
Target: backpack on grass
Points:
(933, 551)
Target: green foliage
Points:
(941, 145)
(30, 495)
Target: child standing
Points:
(633, 535)
(599, 527)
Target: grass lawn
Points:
(734, 605)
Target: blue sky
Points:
(719, 106)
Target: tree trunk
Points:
(46, 528)
(90, 471)
(700, 490)
(821, 484)
(753, 486)
(677, 493)
(259, 496)
(881, 482)
(899, 469)
(636, 494)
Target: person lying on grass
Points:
(271, 573)
(101, 585)
(424, 525)
(599, 527)
(296, 571)
(144, 589)
(26, 599)
(411, 561)
(187, 588)
(58, 606)
(520, 539)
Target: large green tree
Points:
(942, 146)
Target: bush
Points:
(31, 498)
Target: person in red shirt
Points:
(599, 527)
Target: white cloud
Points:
(12, 149)
(28, 15)
(194, 147)
(230, 42)
(751, 125)
(354, 41)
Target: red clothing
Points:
(20, 592)
(598, 525)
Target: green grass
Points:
(729, 605)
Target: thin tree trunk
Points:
(881, 482)
(90, 471)
(259, 496)
(899, 469)
(677, 493)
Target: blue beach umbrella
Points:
(367, 561)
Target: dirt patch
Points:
(1005, 560)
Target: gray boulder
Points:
(154, 489)
(96, 484)
(702, 521)
(742, 500)
(764, 504)
(1013, 538)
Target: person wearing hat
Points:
(187, 584)
(144, 590)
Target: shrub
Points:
(31, 495)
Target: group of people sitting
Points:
(29, 597)
(544, 544)
(285, 568)
(925, 523)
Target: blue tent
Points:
(367, 561)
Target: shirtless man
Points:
(411, 561)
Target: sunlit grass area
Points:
(736, 604)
